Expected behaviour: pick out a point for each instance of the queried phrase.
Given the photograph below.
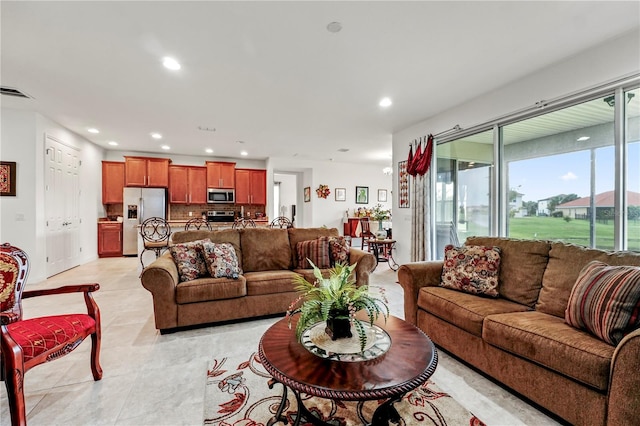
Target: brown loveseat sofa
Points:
(269, 263)
(521, 338)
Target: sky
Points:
(544, 177)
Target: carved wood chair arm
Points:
(78, 288)
(8, 317)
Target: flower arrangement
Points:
(378, 213)
(335, 297)
(323, 191)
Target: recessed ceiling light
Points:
(93, 130)
(385, 102)
(165, 147)
(208, 151)
(334, 27)
(156, 135)
(171, 63)
(244, 153)
(583, 138)
(113, 143)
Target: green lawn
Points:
(574, 231)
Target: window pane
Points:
(632, 120)
(560, 169)
(463, 189)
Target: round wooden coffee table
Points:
(409, 362)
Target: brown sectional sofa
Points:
(267, 258)
(521, 338)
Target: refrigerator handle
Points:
(141, 215)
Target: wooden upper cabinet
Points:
(187, 185)
(221, 174)
(197, 178)
(251, 186)
(112, 182)
(147, 172)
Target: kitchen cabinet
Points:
(109, 239)
(221, 174)
(251, 186)
(112, 182)
(187, 185)
(146, 172)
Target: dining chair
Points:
(197, 224)
(366, 234)
(155, 233)
(281, 222)
(243, 223)
(26, 343)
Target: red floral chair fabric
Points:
(25, 343)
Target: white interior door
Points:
(62, 193)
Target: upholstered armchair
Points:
(25, 343)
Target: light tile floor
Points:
(153, 379)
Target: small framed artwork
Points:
(8, 178)
(307, 194)
(341, 194)
(362, 195)
(382, 195)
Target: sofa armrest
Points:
(161, 279)
(366, 264)
(624, 397)
(412, 277)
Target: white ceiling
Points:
(271, 75)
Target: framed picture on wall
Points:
(382, 195)
(307, 194)
(362, 195)
(8, 178)
(341, 194)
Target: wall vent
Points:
(10, 91)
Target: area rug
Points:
(237, 394)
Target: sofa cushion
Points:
(265, 249)
(565, 263)
(471, 269)
(189, 259)
(205, 289)
(522, 265)
(466, 311)
(231, 236)
(221, 260)
(305, 234)
(338, 250)
(547, 340)
(605, 301)
(269, 282)
(314, 252)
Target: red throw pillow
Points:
(605, 301)
(315, 250)
(338, 250)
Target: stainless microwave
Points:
(215, 195)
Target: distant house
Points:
(543, 207)
(604, 203)
(516, 205)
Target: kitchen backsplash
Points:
(181, 211)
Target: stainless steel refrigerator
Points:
(140, 204)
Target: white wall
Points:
(23, 135)
(328, 212)
(611, 60)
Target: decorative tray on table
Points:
(319, 343)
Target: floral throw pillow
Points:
(189, 260)
(338, 250)
(315, 250)
(605, 301)
(221, 260)
(471, 269)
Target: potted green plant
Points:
(336, 300)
